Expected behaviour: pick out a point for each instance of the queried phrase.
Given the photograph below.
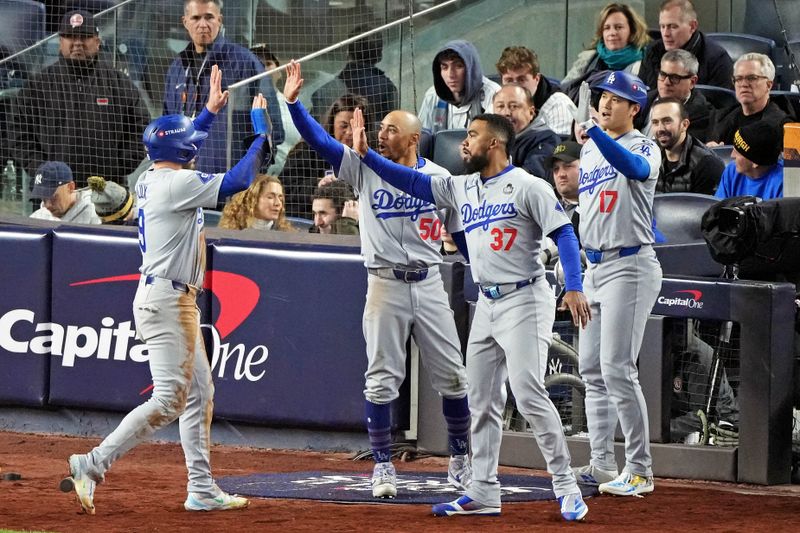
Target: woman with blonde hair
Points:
(619, 44)
(260, 206)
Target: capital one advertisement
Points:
(282, 330)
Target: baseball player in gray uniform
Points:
(400, 241)
(505, 213)
(171, 238)
(619, 169)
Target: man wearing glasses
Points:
(676, 79)
(753, 75)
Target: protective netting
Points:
(80, 87)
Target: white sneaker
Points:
(593, 476)
(459, 472)
(222, 502)
(384, 480)
(628, 484)
(81, 483)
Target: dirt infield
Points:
(145, 492)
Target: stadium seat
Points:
(788, 101)
(723, 152)
(21, 23)
(426, 144)
(738, 44)
(447, 151)
(719, 97)
(678, 215)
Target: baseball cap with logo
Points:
(78, 22)
(567, 151)
(49, 177)
(760, 142)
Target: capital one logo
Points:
(692, 300)
(237, 296)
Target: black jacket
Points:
(87, 115)
(725, 122)
(300, 176)
(698, 170)
(716, 66)
(531, 147)
(698, 108)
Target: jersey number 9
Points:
(142, 241)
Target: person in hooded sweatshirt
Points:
(460, 91)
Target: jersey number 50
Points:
(430, 228)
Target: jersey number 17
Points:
(608, 199)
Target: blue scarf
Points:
(618, 59)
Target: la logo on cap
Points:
(38, 179)
(76, 20)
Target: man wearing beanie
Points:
(757, 168)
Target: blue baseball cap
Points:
(50, 176)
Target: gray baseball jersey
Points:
(397, 229)
(617, 212)
(171, 235)
(504, 221)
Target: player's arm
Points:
(217, 98)
(315, 135)
(244, 172)
(460, 241)
(633, 166)
(570, 254)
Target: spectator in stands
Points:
(757, 168)
(113, 203)
(188, 81)
(686, 164)
(677, 20)
(304, 168)
(520, 65)
(360, 76)
(335, 209)
(290, 135)
(55, 185)
(753, 78)
(565, 165)
(619, 43)
(80, 110)
(676, 79)
(460, 91)
(260, 206)
(534, 142)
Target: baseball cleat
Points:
(384, 480)
(222, 502)
(464, 506)
(592, 475)
(82, 484)
(572, 507)
(628, 485)
(459, 472)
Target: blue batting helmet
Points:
(625, 85)
(172, 138)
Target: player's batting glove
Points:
(584, 101)
(724, 434)
(260, 120)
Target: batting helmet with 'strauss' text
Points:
(172, 138)
(625, 85)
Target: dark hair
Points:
(264, 53)
(501, 127)
(684, 114)
(447, 55)
(368, 50)
(337, 191)
(346, 102)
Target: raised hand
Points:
(259, 117)
(217, 98)
(294, 82)
(359, 133)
